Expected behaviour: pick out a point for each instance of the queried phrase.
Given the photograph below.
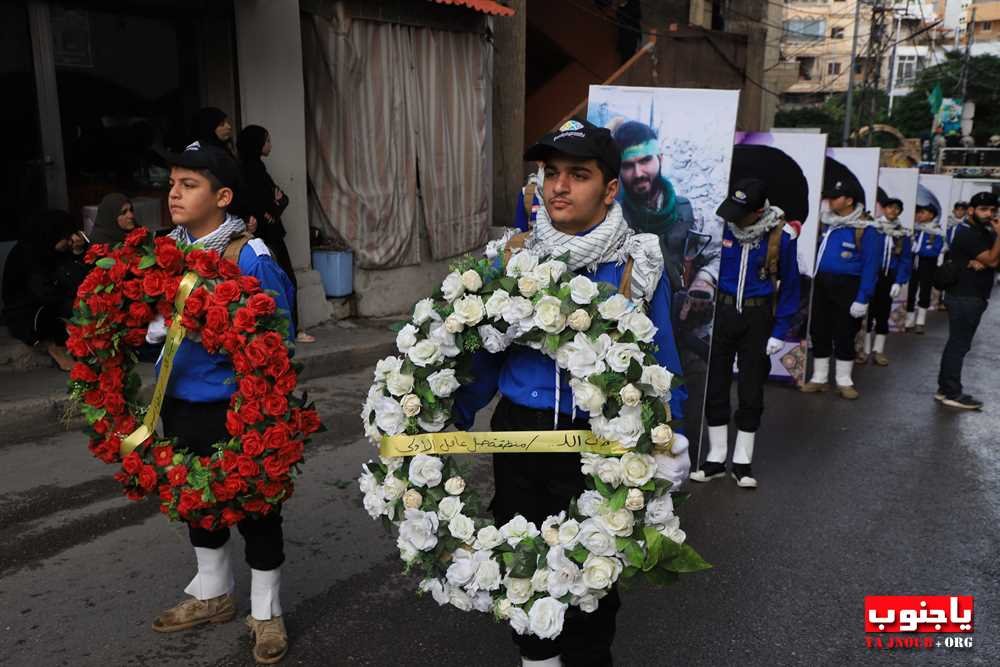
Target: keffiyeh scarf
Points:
(216, 240)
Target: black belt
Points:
(752, 302)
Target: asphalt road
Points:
(887, 495)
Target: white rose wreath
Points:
(624, 524)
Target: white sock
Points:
(880, 343)
(554, 661)
(911, 318)
(868, 342)
(215, 573)
(921, 316)
(265, 586)
(844, 369)
(743, 450)
(718, 443)
(821, 370)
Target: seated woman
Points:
(40, 279)
(115, 219)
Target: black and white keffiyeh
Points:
(217, 240)
(856, 219)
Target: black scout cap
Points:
(843, 188)
(213, 159)
(983, 199)
(579, 139)
(746, 196)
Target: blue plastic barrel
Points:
(336, 268)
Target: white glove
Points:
(675, 466)
(894, 290)
(157, 331)
(940, 260)
(773, 345)
(859, 310)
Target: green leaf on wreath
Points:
(105, 262)
(147, 261)
(688, 560)
(631, 549)
(618, 499)
(523, 563)
(602, 488)
(552, 343)
(654, 547)
(634, 371)
(680, 498)
(661, 577)
(579, 554)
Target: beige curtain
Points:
(384, 102)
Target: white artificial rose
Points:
(521, 263)
(443, 382)
(449, 507)
(639, 325)
(496, 303)
(518, 529)
(454, 486)
(546, 617)
(425, 353)
(432, 423)
(392, 463)
(453, 324)
(399, 384)
(462, 528)
(657, 377)
(385, 366)
(540, 580)
(518, 620)
(406, 550)
(587, 396)
(419, 529)
(587, 603)
(451, 286)
(425, 470)
(609, 471)
(462, 568)
(584, 357)
(493, 340)
(482, 602)
(406, 338)
(630, 395)
(569, 533)
(550, 272)
(579, 320)
(517, 310)
(412, 499)
(563, 572)
(502, 607)
(582, 290)
(375, 504)
(472, 281)
(470, 309)
(615, 307)
(393, 488)
(628, 426)
(619, 522)
(659, 510)
(588, 462)
(488, 537)
(389, 415)
(620, 356)
(596, 538)
(518, 590)
(459, 599)
(549, 316)
(637, 469)
(590, 503)
(528, 285)
(635, 500)
(551, 535)
(672, 530)
(601, 427)
(662, 434)
(424, 312)
(487, 576)
(444, 339)
(600, 572)
(411, 405)
(367, 482)
(436, 588)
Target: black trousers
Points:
(196, 426)
(832, 327)
(537, 486)
(964, 315)
(743, 336)
(881, 306)
(921, 283)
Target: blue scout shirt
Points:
(842, 256)
(899, 266)
(928, 245)
(757, 283)
(200, 377)
(522, 221)
(527, 377)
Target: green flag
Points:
(934, 99)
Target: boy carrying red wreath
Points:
(202, 184)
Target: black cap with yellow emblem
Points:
(745, 196)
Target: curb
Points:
(40, 416)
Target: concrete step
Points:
(34, 402)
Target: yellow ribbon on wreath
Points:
(498, 442)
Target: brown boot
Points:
(881, 359)
(814, 387)
(270, 639)
(192, 612)
(847, 391)
(861, 359)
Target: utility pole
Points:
(874, 56)
(850, 73)
(970, 33)
(892, 62)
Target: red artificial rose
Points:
(261, 304)
(278, 365)
(226, 292)
(249, 284)
(168, 256)
(286, 383)
(245, 320)
(136, 236)
(275, 405)
(276, 436)
(204, 262)
(257, 506)
(211, 340)
(256, 355)
(94, 398)
(170, 286)
(166, 494)
(229, 461)
(82, 373)
(254, 386)
(273, 343)
(153, 283)
(231, 517)
(234, 484)
(166, 309)
(233, 340)
(114, 403)
(253, 443)
(134, 494)
(190, 501)
(228, 269)
(147, 478)
(306, 421)
(292, 452)
(275, 467)
(118, 272)
(100, 426)
(234, 424)
(247, 467)
(196, 302)
(220, 492)
(111, 380)
(250, 412)
(207, 522)
(95, 252)
(140, 312)
(241, 364)
(132, 464)
(177, 475)
(162, 456)
(216, 319)
(135, 337)
(270, 489)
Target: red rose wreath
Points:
(229, 313)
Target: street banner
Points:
(677, 147)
